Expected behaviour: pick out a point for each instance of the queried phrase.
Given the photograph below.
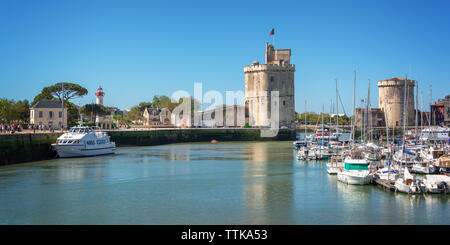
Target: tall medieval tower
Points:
(277, 74)
(394, 95)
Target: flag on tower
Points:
(272, 32)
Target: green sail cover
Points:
(356, 166)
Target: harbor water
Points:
(202, 183)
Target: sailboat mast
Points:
(417, 110)
(369, 114)
(322, 125)
(354, 113)
(421, 110)
(386, 119)
(305, 120)
(429, 119)
(404, 121)
(337, 108)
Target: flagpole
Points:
(273, 39)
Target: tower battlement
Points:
(396, 82)
(269, 68)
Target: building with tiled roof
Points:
(48, 113)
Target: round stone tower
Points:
(391, 97)
(277, 74)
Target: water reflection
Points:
(268, 184)
(201, 183)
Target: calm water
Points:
(201, 183)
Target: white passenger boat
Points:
(84, 141)
(356, 171)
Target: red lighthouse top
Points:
(99, 91)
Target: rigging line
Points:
(343, 107)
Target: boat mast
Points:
(363, 121)
(417, 110)
(404, 122)
(369, 114)
(429, 119)
(337, 108)
(354, 114)
(329, 123)
(421, 110)
(305, 121)
(322, 127)
(386, 120)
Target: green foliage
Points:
(65, 91)
(316, 118)
(11, 110)
(136, 112)
(94, 110)
(56, 92)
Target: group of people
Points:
(10, 128)
(41, 127)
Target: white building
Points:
(48, 113)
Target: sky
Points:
(138, 49)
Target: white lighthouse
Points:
(100, 94)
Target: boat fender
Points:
(442, 185)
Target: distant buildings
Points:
(48, 113)
(440, 112)
(156, 116)
(375, 118)
(226, 116)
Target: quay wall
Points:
(19, 148)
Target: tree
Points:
(6, 109)
(22, 110)
(65, 91)
(12, 110)
(94, 110)
(56, 92)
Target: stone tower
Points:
(393, 91)
(277, 74)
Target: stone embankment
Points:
(19, 148)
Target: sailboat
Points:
(407, 183)
(356, 170)
(334, 164)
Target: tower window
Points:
(271, 78)
(284, 102)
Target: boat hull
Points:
(354, 178)
(81, 151)
(332, 170)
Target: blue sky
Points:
(138, 49)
